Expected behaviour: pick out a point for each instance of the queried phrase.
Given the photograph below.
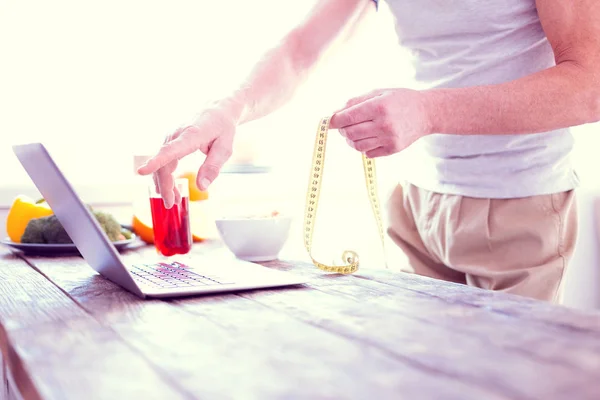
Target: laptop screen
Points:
(79, 223)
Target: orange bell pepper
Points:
(23, 210)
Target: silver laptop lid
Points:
(75, 217)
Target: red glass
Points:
(172, 231)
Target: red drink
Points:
(172, 232)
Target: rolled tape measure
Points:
(350, 260)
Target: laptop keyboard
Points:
(173, 275)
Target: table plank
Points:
(204, 343)
(563, 352)
(469, 358)
(46, 338)
(452, 293)
(408, 334)
(397, 291)
(493, 301)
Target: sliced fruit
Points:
(23, 210)
(143, 230)
(195, 193)
(202, 221)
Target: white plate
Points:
(40, 248)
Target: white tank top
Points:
(459, 43)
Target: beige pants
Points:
(520, 246)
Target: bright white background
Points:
(98, 82)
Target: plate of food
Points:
(33, 228)
(57, 248)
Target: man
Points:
(491, 202)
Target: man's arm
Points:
(275, 78)
(270, 85)
(387, 121)
(562, 96)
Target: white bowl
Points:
(254, 239)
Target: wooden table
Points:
(67, 333)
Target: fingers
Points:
(379, 152)
(357, 100)
(360, 131)
(166, 184)
(177, 195)
(173, 135)
(171, 151)
(218, 154)
(362, 112)
(364, 145)
(156, 185)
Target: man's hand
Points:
(383, 122)
(212, 134)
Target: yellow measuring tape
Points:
(349, 257)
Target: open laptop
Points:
(162, 277)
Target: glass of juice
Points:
(172, 232)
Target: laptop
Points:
(215, 272)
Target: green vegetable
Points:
(49, 230)
(45, 230)
(110, 225)
(127, 233)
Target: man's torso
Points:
(461, 43)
